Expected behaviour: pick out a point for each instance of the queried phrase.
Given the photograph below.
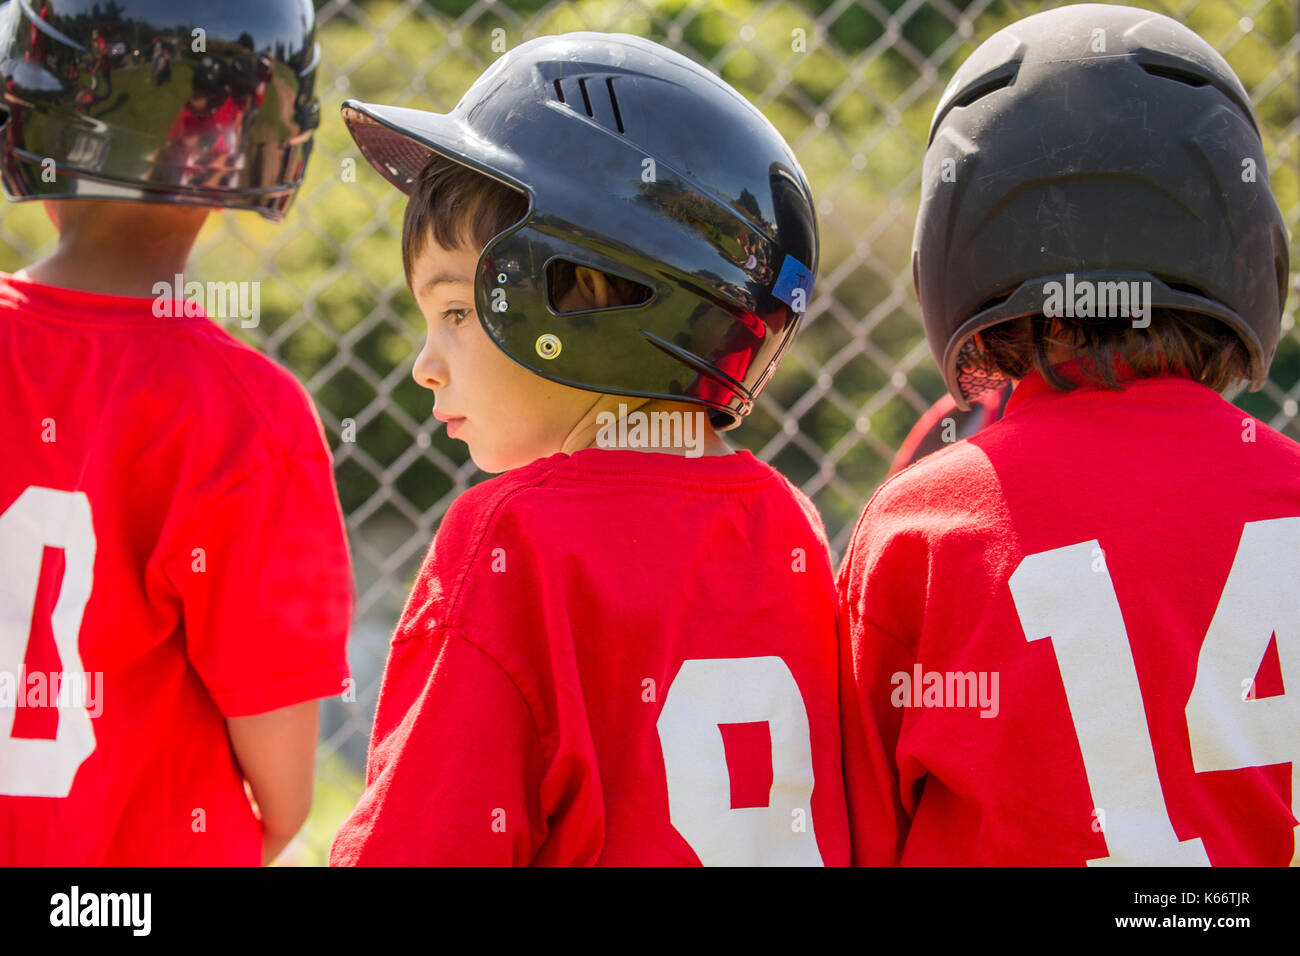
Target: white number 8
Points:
(704, 694)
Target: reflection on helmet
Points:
(642, 164)
(130, 108)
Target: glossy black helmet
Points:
(640, 163)
(181, 102)
(1106, 142)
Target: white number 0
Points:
(1060, 594)
(704, 694)
(40, 518)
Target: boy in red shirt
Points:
(611, 655)
(174, 582)
(1073, 636)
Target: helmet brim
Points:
(398, 143)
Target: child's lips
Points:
(453, 422)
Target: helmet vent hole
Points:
(991, 81)
(997, 78)
(1173, 73)
(592, 102)
(984, 89)
(586, 100)
(613, 101)
(1176, 68)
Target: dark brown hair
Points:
(463, 208)
(459, 207)
(1176, 342)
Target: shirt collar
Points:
(1034, 388)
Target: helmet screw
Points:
(501, 277)
(548, 346)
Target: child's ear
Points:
(592, 286)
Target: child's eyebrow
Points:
(443, 278)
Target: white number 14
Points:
(1059, 594)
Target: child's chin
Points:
(495, 462)
(489, 462)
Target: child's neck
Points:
(122, 258)
(701, 439)
(106, 274)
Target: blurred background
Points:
(851, 84)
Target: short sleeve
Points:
(455, 769)
(810, 512)
(266, 587)
(481, 751)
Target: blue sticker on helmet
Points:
(794, 284)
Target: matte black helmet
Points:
(642, 164)
(1106, 142)
(189, 101)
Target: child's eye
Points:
(459, 315)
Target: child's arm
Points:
(262, 571)
(456, 768)
(277, 755)
(481, 751)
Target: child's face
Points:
(507, 415)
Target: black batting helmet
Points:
(642, 164)
(158, 102)
(1106, 142)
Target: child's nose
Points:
(430, 371)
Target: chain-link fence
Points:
(850, 83)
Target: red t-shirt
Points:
(169, 526)
(1064, 638)
(613, 657)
